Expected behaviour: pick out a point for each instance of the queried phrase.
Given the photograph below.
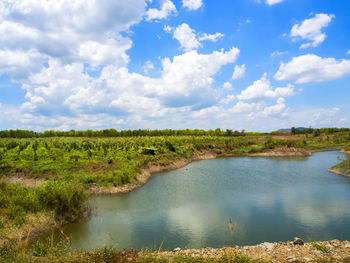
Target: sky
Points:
(258, 65)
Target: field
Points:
(66, 167)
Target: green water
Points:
(270, 199)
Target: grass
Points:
(320, 247)
(59, 250)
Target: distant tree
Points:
(293, 130)
(228, 132)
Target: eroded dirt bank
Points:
(179, 163)
(327, 251)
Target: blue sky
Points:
(244, 64)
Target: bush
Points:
(66, 199)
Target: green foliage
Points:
(66, 199)
(320, 247)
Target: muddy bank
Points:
(327, 251)
(284, 152)
(179, 163)
(339, 171)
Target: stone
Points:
(291, 259)
(267, 245)
(298, 241)
(177, 249)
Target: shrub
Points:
(67, 199)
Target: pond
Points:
(268, 199)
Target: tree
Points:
(293, 130)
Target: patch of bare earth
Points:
(339, 171)
(35, 225)
(332, 251)
(23, 181)
(284, 152)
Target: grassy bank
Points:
(27, 212)
(344, 167)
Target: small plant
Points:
(320, 247)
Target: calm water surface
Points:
(270, 199)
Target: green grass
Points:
(320, 247)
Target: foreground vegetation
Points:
(68, 166)
(59, 249)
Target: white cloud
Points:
(243, 107)
(310, 29)
(192, 4)
(278, 53)
(228, 99)
(167, 29)
(147, 66)
(275, 109)
(273, 2)
(227, 86)
(210, 37)
(187, 37)
(239, 72)
(88, 32)
(262, 89)
(167, 8)
(65, 90)
(348, 53)
(312, 68)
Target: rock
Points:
(176, 249)
(291, 259)
(267, 245)
(298, 241)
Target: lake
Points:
(269, 199)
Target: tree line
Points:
(115, 133)
(165, 132)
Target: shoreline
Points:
(341, 172)
(279, 252)
(148, 172)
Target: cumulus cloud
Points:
(228, 99)
(227, 86)
(147, 66)
(310, 29)
(312, 68)
(192, 4)
(167, 8)
(188, 38)
(348, 53)
(239, 72)
(185, 81)
(88, 32)
(275, 109)
(262, 89)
